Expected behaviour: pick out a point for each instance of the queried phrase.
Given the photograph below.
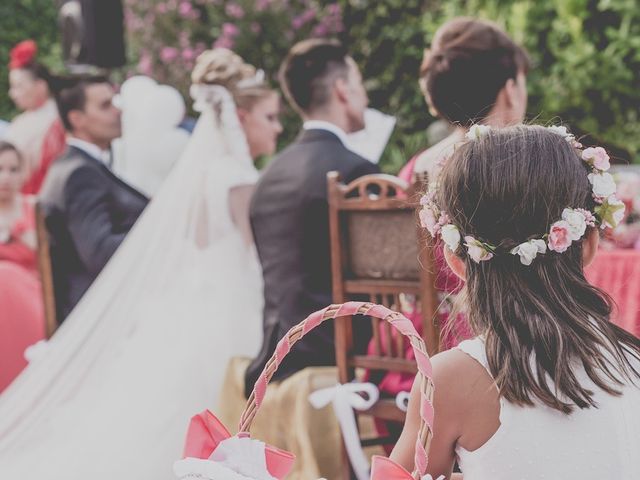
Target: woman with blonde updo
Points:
(257, 107)
(147, 346)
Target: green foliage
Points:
(586, 53)
(386, 38)
(166, 36)
(586, 59)
(21, 20)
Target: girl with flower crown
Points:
(548, 388)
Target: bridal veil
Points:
(110, 395)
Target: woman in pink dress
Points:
(22, 313)
(473, 73)
(29, 89)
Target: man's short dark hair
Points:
(309, 70)
(71, 94)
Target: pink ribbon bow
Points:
(383, 468)
(206, 432)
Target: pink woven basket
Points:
(382, 468)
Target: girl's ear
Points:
(590, 246)
(456, 264)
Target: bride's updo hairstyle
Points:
(223, 67)
(542, 321)
(469, 63)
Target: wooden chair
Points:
(46, 273)
(379, 252)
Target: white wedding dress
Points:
(111, 395)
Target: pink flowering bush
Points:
(166, 36)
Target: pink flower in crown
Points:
(589, 217)
(560, 236)
(427, 197)
(597, 156)
(429, 221)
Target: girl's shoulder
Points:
(465, 393)
(461, 372)
(465, 361)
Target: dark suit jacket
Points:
(88, 211)
(290, 221)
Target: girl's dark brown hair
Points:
(468, 65)
(544, 319)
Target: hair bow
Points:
(23, 54)
(206, 433)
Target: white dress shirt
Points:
(328, 126)
(104, 156)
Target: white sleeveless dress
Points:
(539, 443)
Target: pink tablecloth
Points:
(617, 272)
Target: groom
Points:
(88, 210)
(289, 209)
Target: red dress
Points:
(22, 313)
(53, 146)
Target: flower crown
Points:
(571, 227)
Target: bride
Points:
(111, 395)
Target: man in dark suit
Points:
(88, 210)
(289, 209)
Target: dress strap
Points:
(476, 350)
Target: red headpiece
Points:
(23, 54)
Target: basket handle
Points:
(400, 323)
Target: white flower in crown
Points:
(597, 157)
(476, 131)
(563, 132)
(603, 184)
(528, 251)
(477, 250)
(611, 212)
(450, 236)
(577, 222)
